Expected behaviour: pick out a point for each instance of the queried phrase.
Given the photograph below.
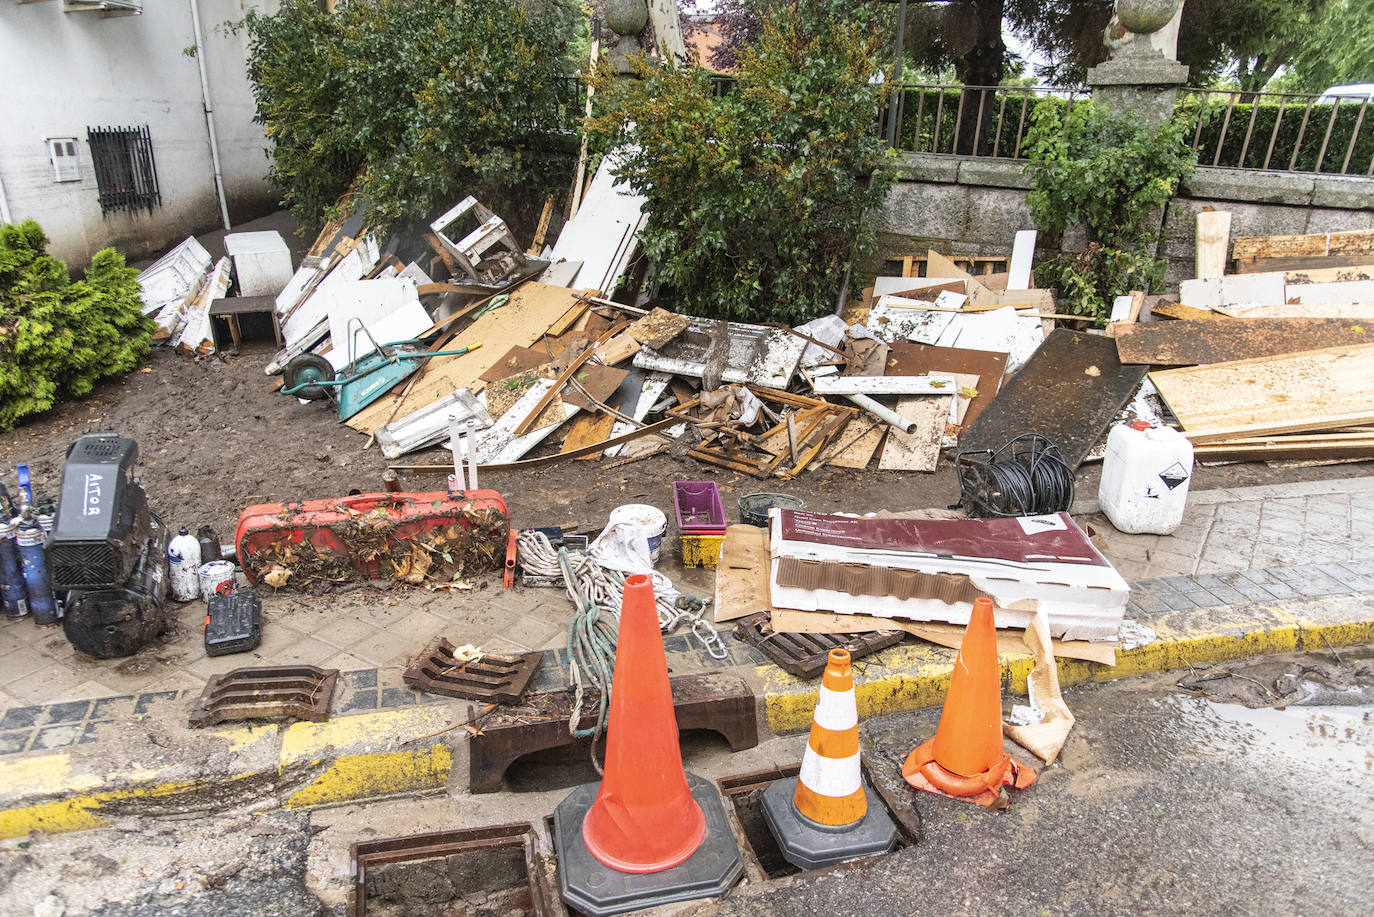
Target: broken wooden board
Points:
(1358, 310)
(920, 449)
(1311, 390)
(521, 321)
(906, 358)
(1309, 294)
(1069, 391)
(1302, 263)
(1330, 274)
(588, 430)
(1213, 232)
(1184, 313)
(658, 328)
(1185, 343)
(855, 445)
(1291, 446)
(1249, 248)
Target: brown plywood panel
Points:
(905, 358)
(1312, 390)
(1189, 343)
(1070, 390)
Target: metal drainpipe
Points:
(209, 113)
(4, 205)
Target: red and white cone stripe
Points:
(829, 788)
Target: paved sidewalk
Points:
(1251, 571)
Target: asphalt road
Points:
(1162, 803)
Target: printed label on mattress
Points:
(1033, 525)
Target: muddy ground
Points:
(215, 438)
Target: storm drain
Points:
(804, 655)
(744, 795)
(300, 692)
(487, 870)
(491, 677)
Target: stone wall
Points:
(966, 207)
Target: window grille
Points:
(124, 168)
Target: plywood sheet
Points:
(1213, 232)
(1189, 343)
(855, 445)
(1326, 243)
(1364, 310)
(919, 450)
(1312, 390)
(588, 430)
(905, 358)
(1069, 391)
(522, 321)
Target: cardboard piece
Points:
(742, 573)
(1046, 738)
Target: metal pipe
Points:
(209, 113)
(5, 217)
(470, 447)
(885, 414)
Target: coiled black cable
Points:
(1026, 477)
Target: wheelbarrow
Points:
(364, 379)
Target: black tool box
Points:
(233, 624)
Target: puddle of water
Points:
(1341, 736)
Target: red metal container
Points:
(410, 537)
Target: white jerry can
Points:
(1145, 477)
(183, 566)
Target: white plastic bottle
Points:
(1145, 477)
(183, 566)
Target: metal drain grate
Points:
(300, 692)
(491, 677)
(804, 655)
(415, 848)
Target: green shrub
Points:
(1265, 115)
(422, 101)
(58, 338)
(1112, 175)
(756, 196)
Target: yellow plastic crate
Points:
(701, 550)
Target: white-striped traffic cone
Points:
(822, 816)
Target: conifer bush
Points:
(59, 337)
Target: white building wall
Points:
(64, 72)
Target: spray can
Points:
(29, 540)
(183, 564)
(45, 512)
(13, 599)
(209, 544)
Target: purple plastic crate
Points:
(698, 506)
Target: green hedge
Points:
(1265, 114)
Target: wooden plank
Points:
(1185, 343)
(1022, 251)
(1070, 391)
(1330, 274)
(521, 321)
(1182, 312)
(1357, 310)
(919, 450)
(854, 447)
(537, 243)
(1301, 262)
(588, 430)
(1213, 232)
(569, 318)
(1282, 450)
(1309, 294)
(1311, 390)
(1330, 243)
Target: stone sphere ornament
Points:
(629, 17)
(1145, 16)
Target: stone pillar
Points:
(1142, 74)
(626, 19)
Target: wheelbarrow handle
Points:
(439, 353)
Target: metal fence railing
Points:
(1285, 132)
(988, 121)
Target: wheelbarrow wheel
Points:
(308, 370)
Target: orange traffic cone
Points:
(966, 757)
(644, 818)
(822, 816)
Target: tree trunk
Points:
(984, 65)
(665, 19)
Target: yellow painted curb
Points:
(92, 810)
(913, 677)
(365, 756)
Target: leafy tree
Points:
(423, 101)
(58, 338)
(756, 198)
(1338, 48)
(1112, 175)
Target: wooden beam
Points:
(1213, 232)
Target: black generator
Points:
(107, 551)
